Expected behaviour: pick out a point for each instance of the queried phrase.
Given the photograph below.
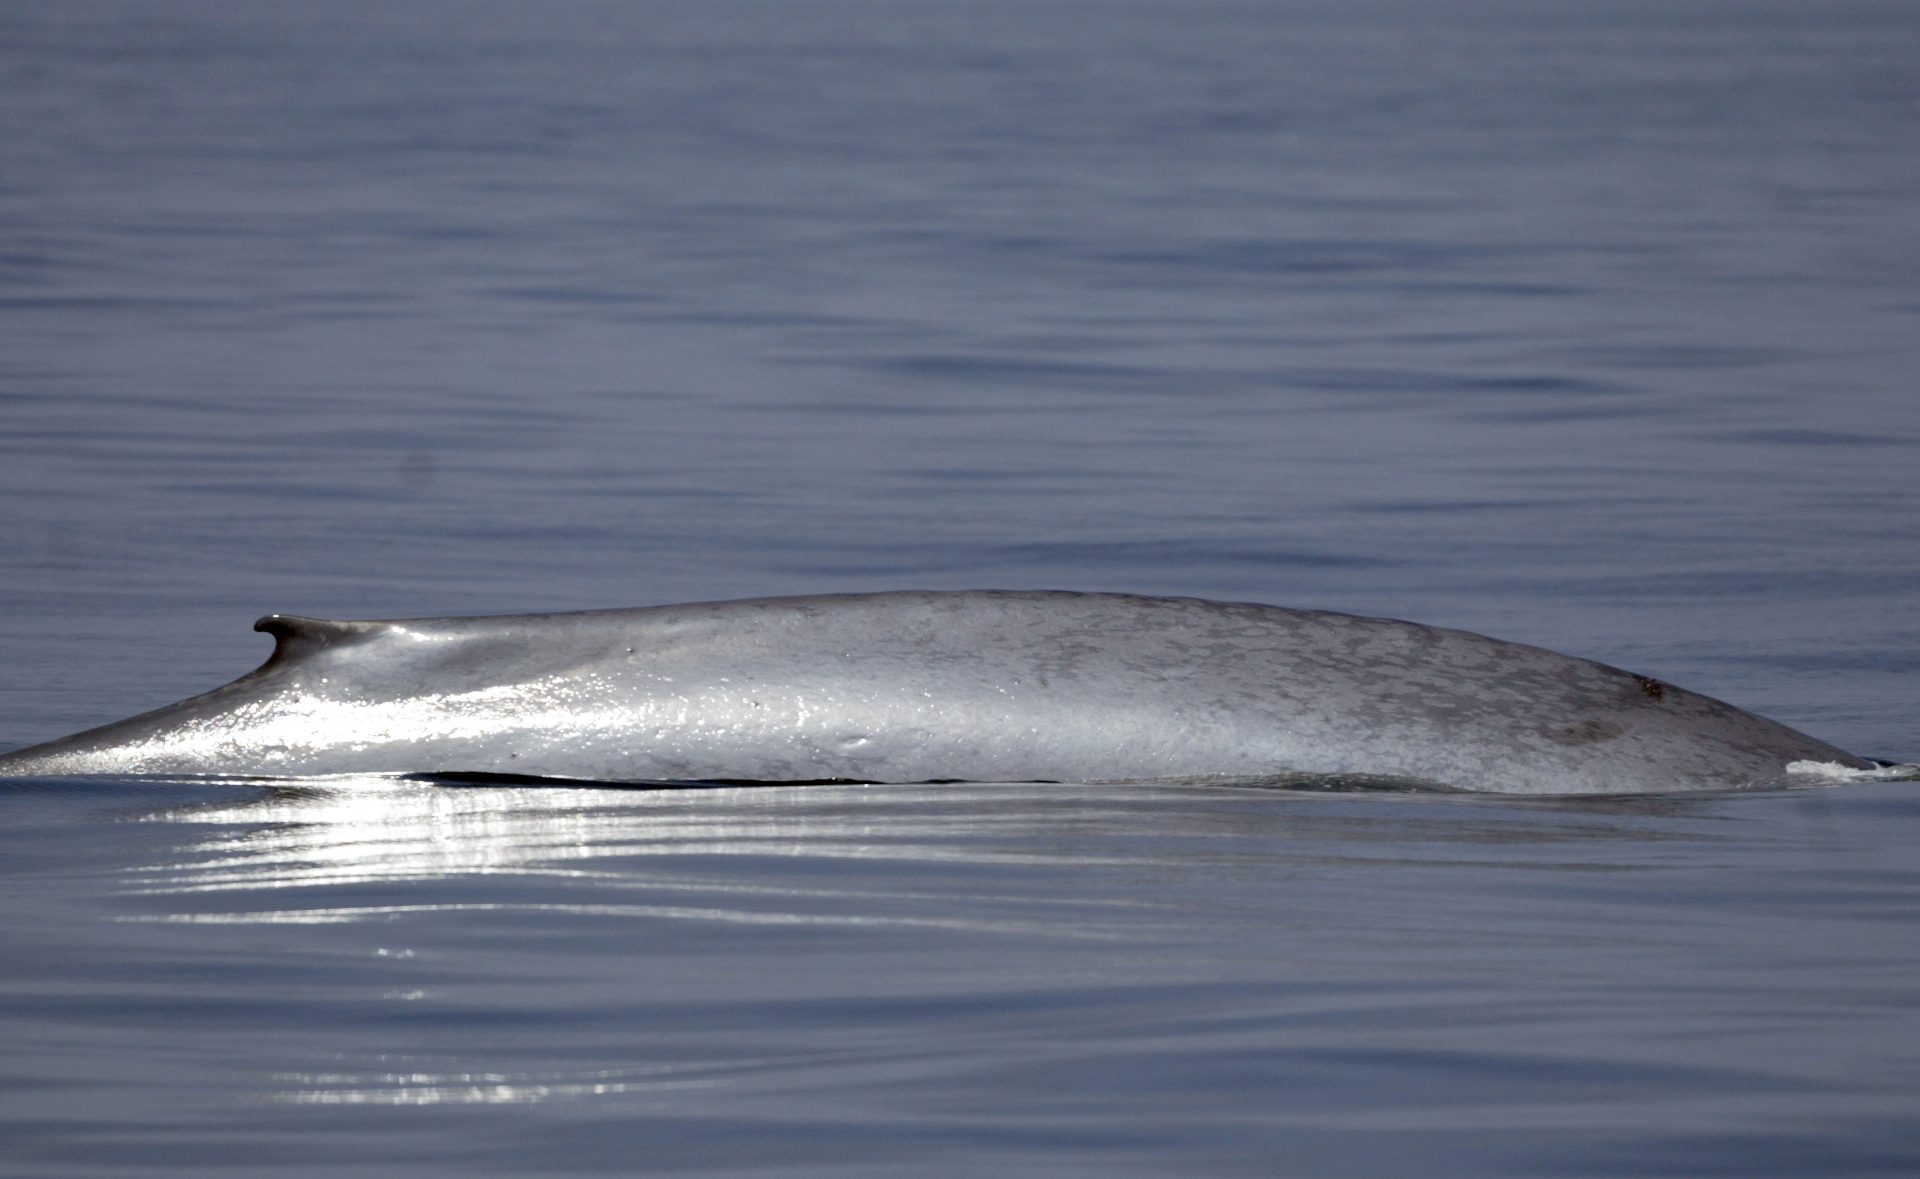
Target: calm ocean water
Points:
(1591, 326)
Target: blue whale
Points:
(925, 686)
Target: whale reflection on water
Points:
(376, 830)
(650, 954)
(280, 842)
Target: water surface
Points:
(1591, 327)
(957, 979)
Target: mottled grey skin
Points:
(913, 687)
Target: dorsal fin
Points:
(294, 636)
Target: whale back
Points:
(922, 686)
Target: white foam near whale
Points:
(937, 686)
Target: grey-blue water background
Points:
(1591, 325)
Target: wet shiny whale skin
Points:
(931, 686)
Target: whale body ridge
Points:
(923, 686)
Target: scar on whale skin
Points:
(1587, 732)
